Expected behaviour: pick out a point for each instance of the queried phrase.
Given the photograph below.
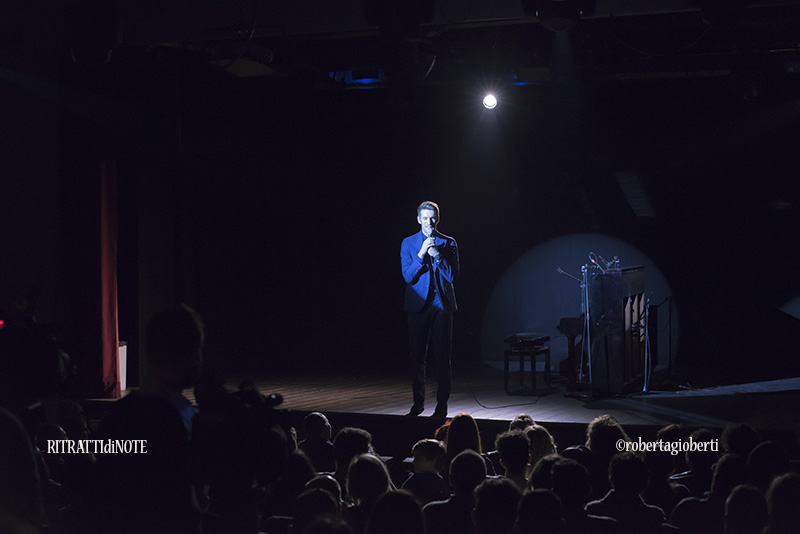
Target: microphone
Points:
(593, 259)
(433, 234)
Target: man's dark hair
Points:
(349, 442)
(428, 205)
(430, 449)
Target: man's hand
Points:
(428, 247)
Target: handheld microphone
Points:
(433, 235)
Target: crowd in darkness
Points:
(232, 464)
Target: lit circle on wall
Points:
(489, 101)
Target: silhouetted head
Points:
(739, 438)
(768, 460)
(349, 442)
(628, 474)
(317, 426)
(700, 460)
(521, 422)
(463, 434)
(571, 483)
(312, 503)
(541, 477)
(729, 471)
(175, 346)
(496, 501)
(745, 510)
(602, 436)
(367, 478)
(467, 470)
(514, 449)
(783, 500)
(539, 512)
(396, 512)
(328, 524)
(428, 454)
(541, 442)
(328, 483)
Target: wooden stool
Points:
(522, 345)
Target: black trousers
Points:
(433, 326)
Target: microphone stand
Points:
(586, 344)
(647, 355)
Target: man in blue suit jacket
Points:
(429, 261)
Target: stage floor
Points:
(773, 407)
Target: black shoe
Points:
(415, 410)
(440, 412)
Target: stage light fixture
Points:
(489, 101)
(558, 15)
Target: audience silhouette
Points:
(541, 445)
(514, 450)
(539, 512)
(706, 515)
(21, 483)
(153, 492)
(783, 502)
(349, 443)
(367, 481)
(425, 482)
(230, 464)
(463, 434)
(628, 476)
(454, 515)
(698, 477)
(603, 434)
(496, 502)
(396, 512)
(571, 483)
(745, 510)
(317, 444)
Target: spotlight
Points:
(489, 101)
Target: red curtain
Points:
(109, 333)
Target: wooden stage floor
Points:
(772, 407)
(377, 401)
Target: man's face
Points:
(427, 220)
(422, 464)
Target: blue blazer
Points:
(417, 273)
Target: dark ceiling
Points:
(454, 41)
(427, 41)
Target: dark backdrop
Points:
(294, 200)
(277, 207)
